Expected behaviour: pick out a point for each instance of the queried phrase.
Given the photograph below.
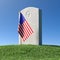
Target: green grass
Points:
(29, 52)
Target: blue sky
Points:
(9, 20)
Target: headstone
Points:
(34, 17)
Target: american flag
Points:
(24, 29)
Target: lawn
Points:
(29, 52)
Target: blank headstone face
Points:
(31, 14)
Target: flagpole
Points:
(20, 42)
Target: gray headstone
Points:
(34, 17)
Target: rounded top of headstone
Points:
(28, 8)
(31, 8)
(28, 11)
